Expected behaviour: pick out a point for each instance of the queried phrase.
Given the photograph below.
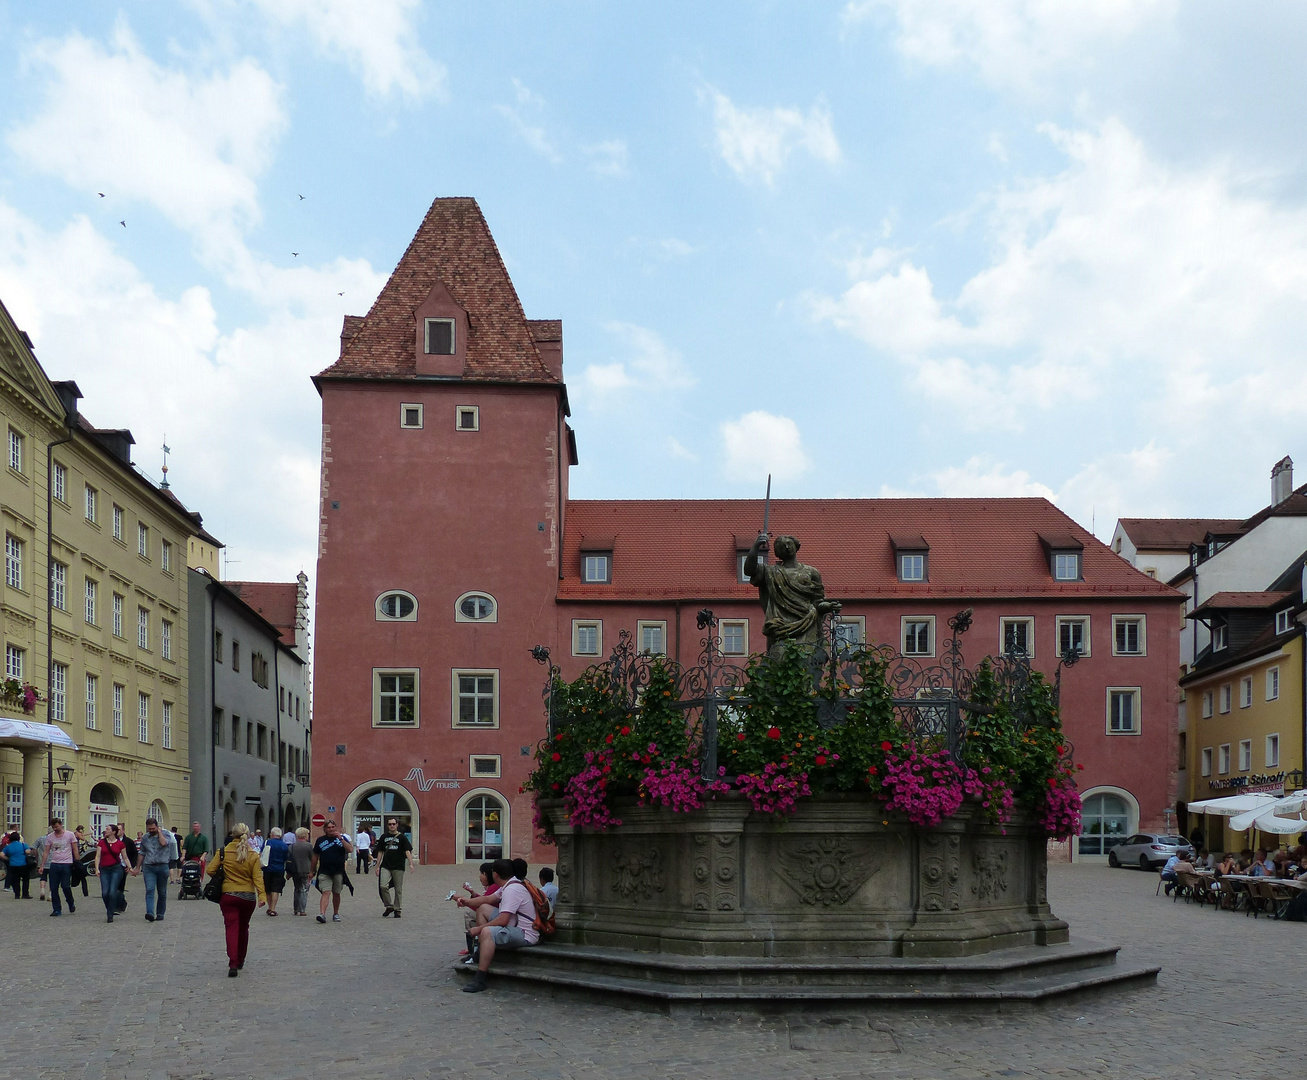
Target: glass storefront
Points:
(1104, 823)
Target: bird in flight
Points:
(340, 294)
(100, 193)
(301, 198)
(295, 254)
(123, 224)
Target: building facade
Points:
(449, 548)
(96, 610)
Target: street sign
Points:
(319, 820)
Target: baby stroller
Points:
(192, 874)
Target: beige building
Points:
(95, 611)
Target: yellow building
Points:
(95, 611)
(1244, 700)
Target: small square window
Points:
(653, 638)
(597, 569)
(734, 636)
(410, 416)
(587, 638)
(1283, 621)
(476, 699)
(1123, 710)
(468, 418)
(1018, 637)
(1220, 636)
(1206, 763)
(483, 765)
(440, 337)
(912, 567)
(1066, 565)
(918, 635)
(1073, 635)
(1128, 635)
(395, 698)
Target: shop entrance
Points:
(103, 808)
(483, 823)
(374, 808)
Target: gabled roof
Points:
(1240, 601)
(1294, 506)
(684, 549)
(1176, 534)
(276, 601)
(452, 246)
(1209, 662)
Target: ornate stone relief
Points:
(825, 870)
(989, 869)
(637, 872)
(702, 871)
(940, 871)
(564, 868)
(726, 872)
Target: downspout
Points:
(678, 631)
(69, 419)
(281, 816)
(212, 702)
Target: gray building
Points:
(249, 680)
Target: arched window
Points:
(1104, 823)
(374, 808)
(397, 606)
(159, 812)
(483, 825)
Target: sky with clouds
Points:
(882, 247)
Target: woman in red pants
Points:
(242, 891)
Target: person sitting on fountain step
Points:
(512, 928)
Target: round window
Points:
(477, 607)
(397, 605)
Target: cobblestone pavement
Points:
(371, 997)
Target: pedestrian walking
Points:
(112, 854)
(175, 876)
(40, 861)
(154, 862)
(196, 844)
(242, 889)
(257, 841)
(301, 870)
(274, 868)
(330, 855)
(362, 851)
(85, 849)
(16, 855)
(56, 867)
(394, 851)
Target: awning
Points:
(28, 732)
(1233, 805)
(1268, 821)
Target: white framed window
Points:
(117, 615)
(476, 607)
(1273, 683)
(740, 558)
(165, 556)
(1223, 759)
(165, 721)
(1245, 691)
(59, 691)
(1283, 621)
(118, 692)
(142, 717)
(1225, 698)
(476, 698)
(850, 631)
(487, 765)
(1245, 755)
(597, 569)
(1066, 566)
(397, 606)
(13, 562)
(1129, 635)
(59, 586)
(917, 632)
(1123, 710)
(439, 337)
(587, 637)
(410, 415)
(59, 804)
(1018, 636)
(59, 482)
(165, 639)
(117, 522)
(92, 693)
(1206, 761)
(90, 501)
(467, 418)
(395, 697)
(912, 566)
(652, 637)
(14, 657)
(14, 804)
(142, 539)
(15, 451)
(1220, 636)
(1073, 633)
(142, 628)
(734, 635)
(1207, 703)
(91, 599)
(1272, 751)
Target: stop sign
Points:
(319, 820)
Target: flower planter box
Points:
(839, 878)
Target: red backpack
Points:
(544, 921)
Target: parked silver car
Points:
(1148, 850)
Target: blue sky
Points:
(966, 247)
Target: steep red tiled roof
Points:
(978, 548)
(1241, 600)
(276, 601)
(453, 245)
(1175, 534)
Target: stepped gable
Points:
(452, 246)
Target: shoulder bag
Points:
(213, 887)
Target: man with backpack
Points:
(513, 928)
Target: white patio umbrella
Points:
(1281, 817)
(1234, 805)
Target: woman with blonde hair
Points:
(242, 886)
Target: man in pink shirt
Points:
(512, 928)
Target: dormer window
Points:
(1283, 621)
(911, 557)
(1220, 636)
(598, 569)
(912, 567)
(1066, 566)
(440, 337)
(1064, 551)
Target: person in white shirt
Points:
(512, 928)
(363, 851)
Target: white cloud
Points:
(759, 443)
(522, 116)
(757, 142)
(609, 158)
(650, 365)
(377, 39)
(982, 479)
(1009, 42)
(115, 121)
(678, 450)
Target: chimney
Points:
(1281, 481)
